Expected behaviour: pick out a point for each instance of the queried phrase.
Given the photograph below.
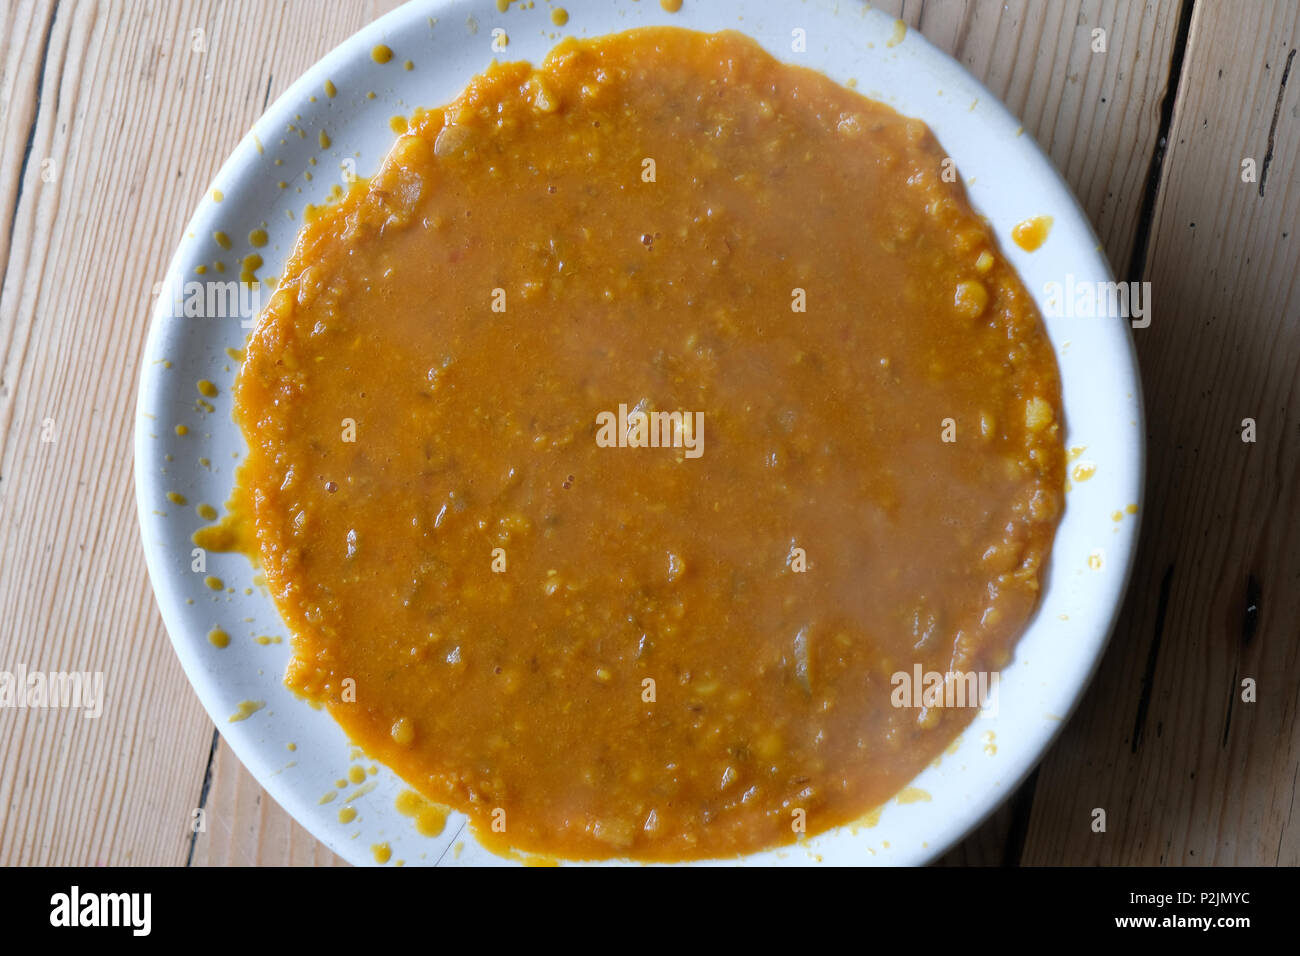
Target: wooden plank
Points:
(134, 122)
(73, 307)
(1187, 772)
(26, 29)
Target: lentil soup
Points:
(668, 649)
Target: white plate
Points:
(448, 41)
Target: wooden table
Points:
(114, 123)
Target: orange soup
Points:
(626, 444)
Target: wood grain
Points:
(73, 308)
(103, 102)
(99, 100)
(1187, 772)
